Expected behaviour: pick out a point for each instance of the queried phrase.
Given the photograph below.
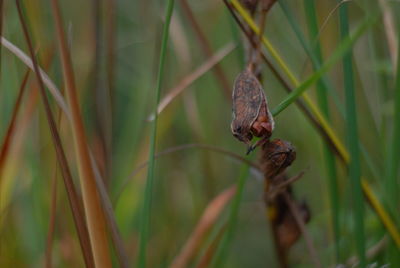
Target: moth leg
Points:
(258, 143)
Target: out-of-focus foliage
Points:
(115, 48)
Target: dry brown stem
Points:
(207, 221)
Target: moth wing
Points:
(246, 99)
(267, 111)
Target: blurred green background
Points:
(115, 48)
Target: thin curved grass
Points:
(180, 148)
(95, 219)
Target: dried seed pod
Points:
(287, 229)
(276, 156)
(250, 113)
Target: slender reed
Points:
(393, 150)
(353, 143)
(91, 200)
(69, 185)
(146, 207)
(312, 23)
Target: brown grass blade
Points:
(92, 204)
(205, 261)
(10, 130)
(53, 212)
(69, 185)
(189, 79)
(207, 49)
(100, 105)
(110, 218)
(203, 227)
(55, 92)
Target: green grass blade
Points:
(146, 208)
(322, 88)
(353, 143)
(393, 152)
(341, 50)
(312, 24)
(316, 59)
(222, 250)
(314, 52)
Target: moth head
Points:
(241, 133)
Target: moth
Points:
(250, 113)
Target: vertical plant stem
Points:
(393, 152)
(65, 171)
(53, 211)
(353, 143)
(146, 208)
(111, 55)
(93, 210)
(312, 23)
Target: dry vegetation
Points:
(116, 133)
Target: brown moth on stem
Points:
(251, 117)
(250, 113)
